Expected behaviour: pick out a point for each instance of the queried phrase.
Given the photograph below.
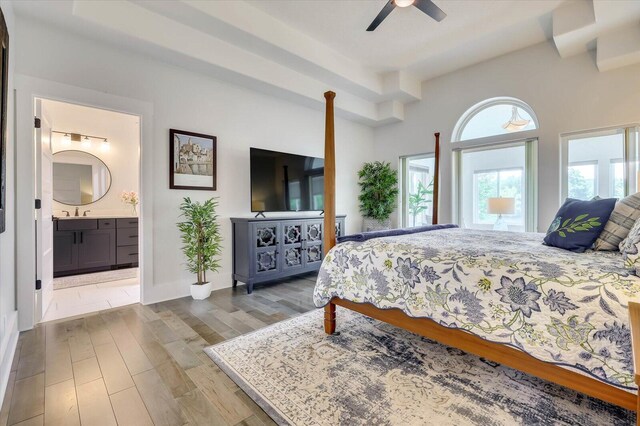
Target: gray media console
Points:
(271, 249)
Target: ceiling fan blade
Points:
(386, 10)
(428, 7)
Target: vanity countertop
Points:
(94, 217)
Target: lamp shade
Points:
(501, 205)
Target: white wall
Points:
(566, 94)
(240, 118)
(123, 133)
(8, 317)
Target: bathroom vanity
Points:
(90, 244)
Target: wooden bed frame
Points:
(460, 339)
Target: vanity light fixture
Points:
(105, 145)
(70, 137)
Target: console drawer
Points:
(127, 255)
(127, 237)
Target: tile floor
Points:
(74, 301)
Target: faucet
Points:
(84, 214)
(77, 212)
(67, 212)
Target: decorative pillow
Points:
(624, 215)
(578, 224)
(629, 248)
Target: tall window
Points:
(583, 179)
(494, 172)
(417, 173)
(502, 183)
(598, 163)
(495, 152)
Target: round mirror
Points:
(79, 178)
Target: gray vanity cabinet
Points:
(96, 248)
(65, 251)
(271, 249)
(90, 245)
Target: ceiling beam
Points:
(619, 48)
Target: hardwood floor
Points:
(143, 365)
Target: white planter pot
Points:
(369, 224)
(200, 292)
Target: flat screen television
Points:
(286, 182)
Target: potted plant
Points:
(201, 242)
(420, 201)
(378, 194)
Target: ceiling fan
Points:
(427, 6)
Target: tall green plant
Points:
(378, 190)
(419, 201)
(201, 240)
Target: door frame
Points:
(46, 290)
(27, 89)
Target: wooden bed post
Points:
(329, 200)
(634, 325)
(436, 180)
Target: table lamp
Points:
(501, 206)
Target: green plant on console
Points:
(201, 239)
(378, 190)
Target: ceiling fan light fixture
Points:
(516, 123)
(403, 3)
(425, 6)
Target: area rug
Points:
(94, 278)
(377, 374)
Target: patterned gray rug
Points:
(376, 374)
(94, 278)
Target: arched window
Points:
(496, 173)
(496, 116)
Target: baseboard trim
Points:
(7, 352)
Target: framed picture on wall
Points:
(192, 159)
(4, 68)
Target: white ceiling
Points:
(296, 49)
(408, 36)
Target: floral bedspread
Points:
(562, 307)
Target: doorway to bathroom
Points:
(87, 184)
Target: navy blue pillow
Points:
(578, 223)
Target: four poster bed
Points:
(564, 317)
